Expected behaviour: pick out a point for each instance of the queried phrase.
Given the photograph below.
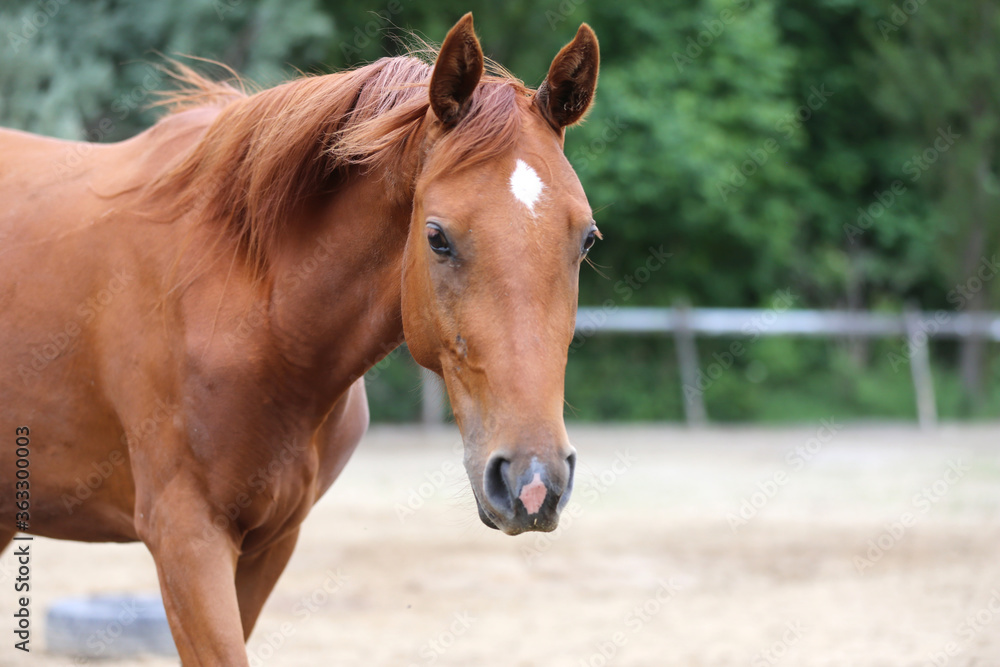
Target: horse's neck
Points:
(337, 287)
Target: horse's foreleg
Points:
(196, 564)
(256, 576)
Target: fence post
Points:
(431, 398)
(920, 369)
(687, 360)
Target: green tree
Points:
(937, 82)
(86, 70)
(689, 148)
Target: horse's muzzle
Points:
(523, 495)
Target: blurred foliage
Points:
(757, 142)
(393, 388)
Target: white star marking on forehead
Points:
(526, 185)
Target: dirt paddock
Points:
(814, 545)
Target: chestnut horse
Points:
(188, 314)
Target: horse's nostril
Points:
(496, 486)
(568, 489)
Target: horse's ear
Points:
(457, 71)
(568, 89)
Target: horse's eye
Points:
(591, 239)
(437, 240)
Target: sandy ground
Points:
(859, 548)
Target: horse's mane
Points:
(266, 153)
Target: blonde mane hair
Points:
(267, 152)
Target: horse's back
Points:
(70, 236)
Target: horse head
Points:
(491, 272)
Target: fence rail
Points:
(770, 322)
(686, 324)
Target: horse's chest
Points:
(274, 485)
(283, 484)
